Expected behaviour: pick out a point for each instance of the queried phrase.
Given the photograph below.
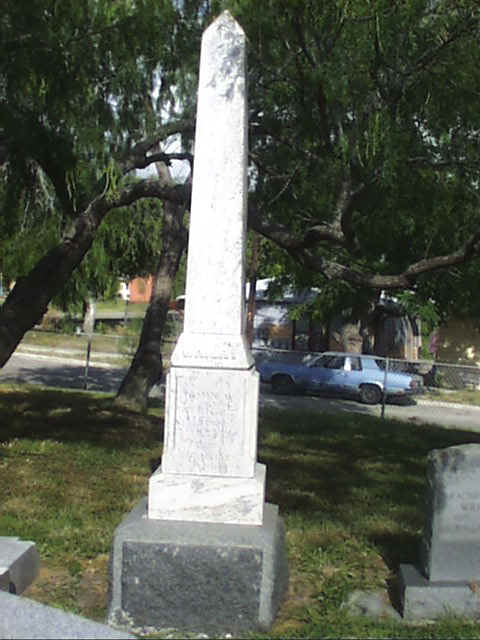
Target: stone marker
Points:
(24, 618)
(447, 579)
(209, 555)
(19, 564)
(209, 469)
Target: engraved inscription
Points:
(460, 518)
(209, 434)
(224, 355)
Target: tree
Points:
(363, 130)
(147, 366)
(365, 136)
(76, 80)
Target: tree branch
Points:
(178, 193)
(137, 158)
(167, 158)
(302, 249)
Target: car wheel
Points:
(282, 384)
(370, 394)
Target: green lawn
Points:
(461, 396)
(350, 488)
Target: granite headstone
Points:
(447, 578)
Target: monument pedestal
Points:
(193, 576)
(200, 498)
(427, 600)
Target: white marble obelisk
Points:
(209, 469)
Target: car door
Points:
(353, 374)
(327, 373)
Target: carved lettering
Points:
(207, 434)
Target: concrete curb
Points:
(448, 405)
(64, 355)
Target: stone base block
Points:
(19, 564)
(198, 498)
(423, 599)
(23, 618)
(200, 577)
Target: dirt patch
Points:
(50, 580)
(83, 591)
(93, 589)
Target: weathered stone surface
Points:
(4, 579)
(200, 498)
(20, 559)
(212, 387)
(23, 618)
(426, 600)
(210, 578)
(210, 557)
(451, 541)
(214, 324)
(375, 604)
(212, 422)
(448, 578)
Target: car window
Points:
(356, 365)
(370, 363)
(334, 362)
(317, 362)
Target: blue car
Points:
(348, 374)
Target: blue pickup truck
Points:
(348, 374)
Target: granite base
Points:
(19, 564)
(23, 618)
(427, 600)
(191, 576)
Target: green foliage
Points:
(126, 245)
(426, 310)
(77, 87)
(378, 96)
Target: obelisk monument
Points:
(208, 554)
(209, 470)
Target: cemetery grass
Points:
(349, 486)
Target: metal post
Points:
(87, 362)
(384, 395)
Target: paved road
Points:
(451, 416)
(60, 371)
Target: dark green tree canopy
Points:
(363, 130)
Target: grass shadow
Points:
(73, 416)
(360, 471)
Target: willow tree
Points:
(77, 113)
(363, 119)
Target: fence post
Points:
(87, 362)
(384, 394)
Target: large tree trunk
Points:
(89, 313)
(146, 367)
(28, 301)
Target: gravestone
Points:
(24, 618)
(447, 579)
(206, 553)
(19, 564)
